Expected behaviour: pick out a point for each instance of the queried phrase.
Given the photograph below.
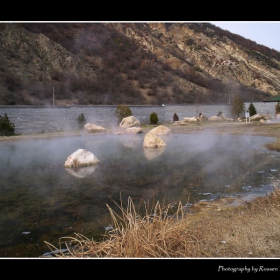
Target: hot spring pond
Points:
(43, 201)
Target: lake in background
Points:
(41, 200)
(38, 119)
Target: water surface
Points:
(37, 120)
(43, 201)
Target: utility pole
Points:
(53, 96)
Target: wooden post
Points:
(53, 96)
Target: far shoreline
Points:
(224, 127)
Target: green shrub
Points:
(252, 110)
(175, 117)
(153, 118)
(81, 121)
(7, 128)
(122, 111)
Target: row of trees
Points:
(124, 111)
(238, 107)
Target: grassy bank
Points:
(251, 230)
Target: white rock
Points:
(215, 118)
(187, 119)
(153, 141)
(92, 128)
(81, 157)
(160, 130)
(129, 122)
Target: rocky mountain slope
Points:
(133, 63)
(217, 56)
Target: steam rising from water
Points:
(39, 195)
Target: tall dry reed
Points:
(246, 231)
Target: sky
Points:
(265, 33)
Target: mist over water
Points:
(38, 195)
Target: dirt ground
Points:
(226, 127)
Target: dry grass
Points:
(251, 230)
(274, 145)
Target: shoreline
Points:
(225, 127)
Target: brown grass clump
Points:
(274, 145)
(246, 231)
(154, 235)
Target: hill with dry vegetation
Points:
(133, 63)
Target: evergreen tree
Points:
(175, 117)
(252, 110)
(7, 128)
(81, 120)
(153, 118)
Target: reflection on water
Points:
(82, 172)
(151, 153)
(41, 197)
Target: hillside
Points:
(132, 63)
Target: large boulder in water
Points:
(81, 157)
(153, 141)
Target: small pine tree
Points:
(7, 128)
(175, 117)
(81, 120)
(252, 110)
(153, 118)
(122, 111)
